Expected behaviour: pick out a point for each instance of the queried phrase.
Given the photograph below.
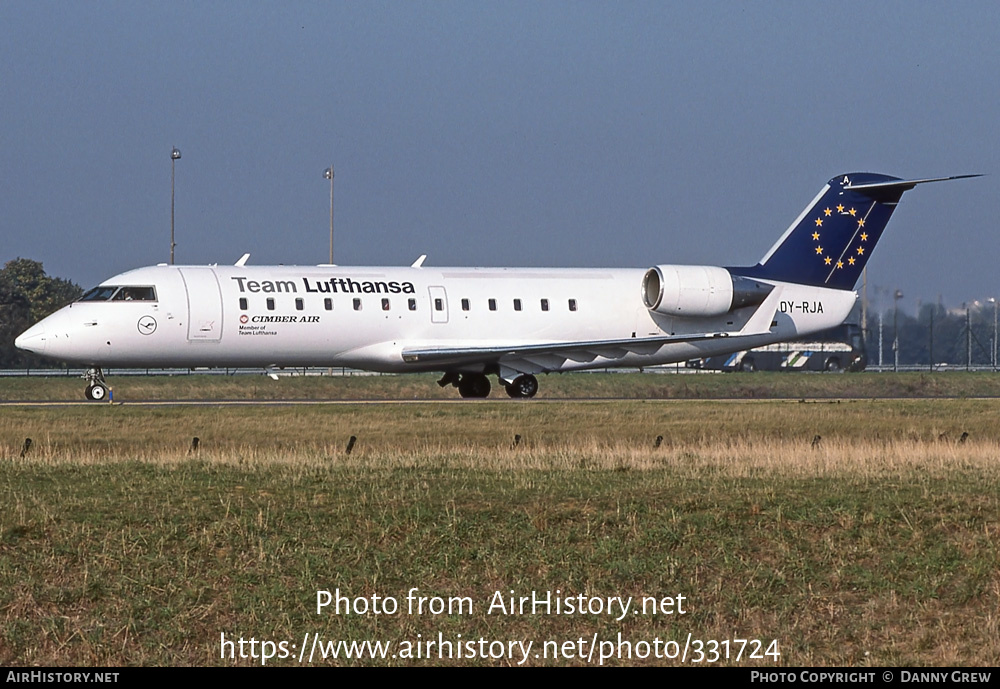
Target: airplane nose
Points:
(32, 339)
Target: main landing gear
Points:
(474, 385)
(477, 385)
(97, 387)
(524, 387)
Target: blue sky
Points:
(515, 133)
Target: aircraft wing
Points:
(550, 356)
(535, 358)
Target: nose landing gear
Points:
(97, 387)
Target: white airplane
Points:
(470, 323)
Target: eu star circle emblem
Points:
(147, 325)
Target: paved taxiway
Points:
(498, 400)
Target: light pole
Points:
(968, 337)
(881, 323)
(895, 328)
(864, 304)
(328, 174)
(993, 300)
(175, 155)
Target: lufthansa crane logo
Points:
(147, 325)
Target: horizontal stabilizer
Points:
(902, 185)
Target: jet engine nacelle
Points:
(699, 291)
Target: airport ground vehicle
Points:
(837, 349)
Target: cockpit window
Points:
(135, 294)
(99, 294)
(114, 293)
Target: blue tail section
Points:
(829, 244)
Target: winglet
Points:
(419, 263)
(243, 261)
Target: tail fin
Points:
(829, 244)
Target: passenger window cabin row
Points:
(130, 293)
(411, 304)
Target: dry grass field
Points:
(858, 533)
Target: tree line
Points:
(28, 295)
